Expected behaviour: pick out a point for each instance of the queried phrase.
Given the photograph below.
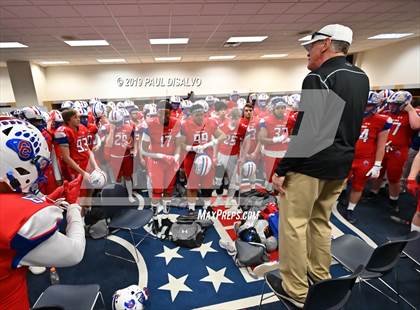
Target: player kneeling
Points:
(29, 234)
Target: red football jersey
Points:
(162, 138)
(123, 141)
(372, 125)
(275, 128)
(234, 136)
(199, 134)
(252, 131)
(261, 113)
(400, 133)
(176, 113)
(92, 131)
(77, 141)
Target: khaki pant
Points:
(305, 232)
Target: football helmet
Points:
(116, 116)
(248, 169)
(97, 178)
(241, 103)
(211, 100)
(293, 101)
(77, 104)
(67, 105)
(279, 101)
(399, 100)
(57, 118)
(234, 96)
(202, 164)
(25, 155)
(186, 106)
(32, 113)
(204, 104)
(130, 298)
(250, 235)
(384, 94)
(98, 109)
(262, 100)
(175, 102)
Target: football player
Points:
(228, 156)
(274, 137)
(396, 151)
(261, 105)
(197, 138)
(77, 157)
(413, 187)
(159, 145)
(29, 234)
(369, 152)
(119, 145)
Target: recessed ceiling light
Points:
(169, 41)
(224, 57)
(306, 38)
(387, 36)
(274, 55)
(12, 45)
(167, 58)
(54, 62)
(111, 60)
(87, 42)
(247, 39)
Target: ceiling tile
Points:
(331, 7)
(59, 11)
(237, 19)
(92, 10)
(247, 8)
(26, 11)
(101, 21)
(360, 7)
(6, 14)
(125, 10)
(216, 8)
(275, 8)
(155, 9)
(70, 21)
(303, 8)
(184, 9)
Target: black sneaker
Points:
(350, 216)
(311, 280)
(274, 282)
(394, 209)
(371, 196)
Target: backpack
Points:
(190, 235)
(250, 253)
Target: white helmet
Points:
(202, 164)
(293, 100)
(32, 113)
(120, 105)
(262, 99)
(98, 109)
(24, 154)
(130, 298)
(126, 114)
(97, 178)
(56, 116)
(116, 116)
(77, 104)
(150, 109)
(93, 101)
(234, 96)
(204, 104)
(67, 105)
(249, 169)
(81, 111)
(385, 94)
(110, 104)
(241, 103)
(84, 104)
(45, 116)
(211, 100)
(128, 103)
(186, 106)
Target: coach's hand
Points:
(278, 183)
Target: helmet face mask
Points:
(25, 155)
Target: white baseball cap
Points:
(335, 32)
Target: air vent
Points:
(231, 44)
(69, 38)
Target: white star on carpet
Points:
(216, 278)
(175, 286)
(169, 254)
(204, 249)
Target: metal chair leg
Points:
(397, 293)
(379, 291)
(262, 295)
(102, 300)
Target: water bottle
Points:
(54, 278)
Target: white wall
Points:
(394, 66)
(216, 78)
(6, 91)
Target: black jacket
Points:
(334, 160)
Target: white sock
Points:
(166, 202)
(351, 206)
(129, 186)
(415, 227)
(207, 203)
(191, 206)
(393, 198)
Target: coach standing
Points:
(309, 185)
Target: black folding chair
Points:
(331, 294)
(351, 251)
(69, 297)
(124, 217)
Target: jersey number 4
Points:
(364, 135)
